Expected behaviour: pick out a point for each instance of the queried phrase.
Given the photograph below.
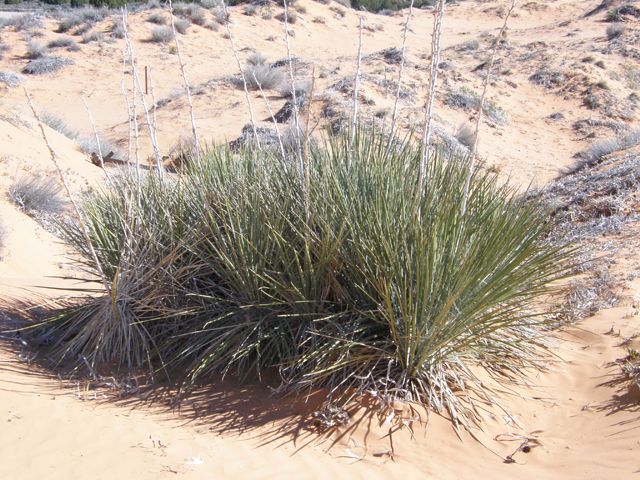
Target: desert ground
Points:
(562, 86)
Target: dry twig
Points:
(404, 51)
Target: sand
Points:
(581, 415)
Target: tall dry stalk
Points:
(138, 84)
(134, 117)
(244, 78)
(404, 51)
(356, 83)
(273, 118)
(296, 113)
(485, 87)
(54, 158)
(307, 172)
(186, 86)
(126, 97)
(433, 79)
(95, 133)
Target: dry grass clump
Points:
(346, 282)
(45, 65)
(11, 79)
(37, 194)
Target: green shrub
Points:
(369, 279)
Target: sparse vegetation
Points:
(37, 194)
(22, 22)
(45, 65)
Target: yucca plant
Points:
(368, 279)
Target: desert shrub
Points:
(588, 59)
(213, 26)
(368, 280)
(62, 43)
(466, 135)
(469, 100)
(220, 15)
(70, 21)
(93, 37)
(182, 25)
(161, 34)
(262, 76)
(340, 12)
(158, 18)
(11, 79)
(472, 44)
(37, 194)
(197, 15)
(347, 4)
(44, 65)
(301, 89)
(614, 31)
(250, 10)
(36, 50)
(319, 19)
(117, 30)
(291, 18)
(324, 2)
(22, 22)
(300, 9)
(267, 15)
(3, 49)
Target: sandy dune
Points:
(581, 416)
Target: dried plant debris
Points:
(328, 417)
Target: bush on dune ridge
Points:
(366, 281)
